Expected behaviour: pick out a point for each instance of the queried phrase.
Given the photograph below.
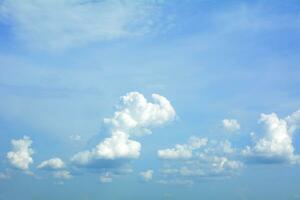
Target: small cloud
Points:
(21, 155)
(231, 125)
(147, 175)
(64, 174)
(75, 137)
(52, 164)
(106, 177)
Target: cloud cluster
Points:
(134, 116)
(276, 145)
(63, 24)
(21, 154)
(199, 158)
(231, 125)
(52, 164)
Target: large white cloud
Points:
(276, 145)
(183, 151)
(231, 125)
(53, 163)
(21, 154)
(63, 23)
(135, 116)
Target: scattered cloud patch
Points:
(231, 125)
(21, 155)
(147, 175)
(52, 164)
(208, 159)
(182, 151)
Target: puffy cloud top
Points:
(135, 115)
(20, 156)
(276, 145)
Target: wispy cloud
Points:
(63, 24)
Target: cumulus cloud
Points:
(147, 175)
(231, 125)
(276, 145)
(116, 146)
(53, 163)
(64, 23)
(182, 151)
(63, 174)
(134, 116)
(21, 154)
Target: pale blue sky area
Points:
(78, 119)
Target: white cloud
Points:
(147, 175)
(64, 23)
(116, 146)
(106, 177)
(231, 125)
(63, 174)
(53, 163)
(135, 115)
(276, 145)
(20, 156)
(182, 151)
(208, 159)
(75, 137)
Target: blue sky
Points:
(151, 99)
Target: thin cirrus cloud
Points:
(135, 115)
(20, 156)
(63, 24)
(276, 145)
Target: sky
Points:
(149, 99)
